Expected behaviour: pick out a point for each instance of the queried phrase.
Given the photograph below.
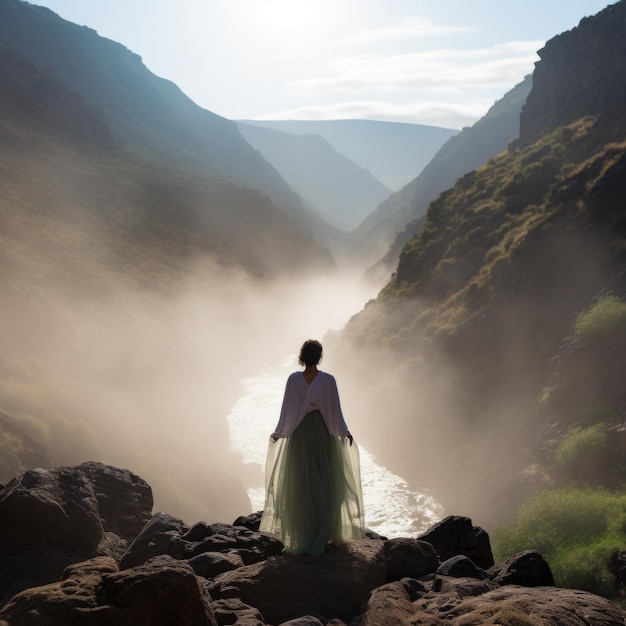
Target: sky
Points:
(435, 62)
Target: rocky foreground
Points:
(80, 546)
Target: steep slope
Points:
(144, 111)
(342, 191)
(396, 220)
(124, 282)
(456, 347)
(393, 152)
(57, 145)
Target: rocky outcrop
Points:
(82, 518)
(577, 75)
(50, 519)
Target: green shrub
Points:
(604, 318)
(574, 529)
(581, 445)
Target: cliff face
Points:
(579, 74)
(486, 291)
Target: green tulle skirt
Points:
(312, 489)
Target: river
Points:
(392, 507)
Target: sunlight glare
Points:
(285, 17)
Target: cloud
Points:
(437, 113)
(440, 70)
(412, 26)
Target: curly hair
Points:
(310, 352)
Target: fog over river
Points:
(392, 507)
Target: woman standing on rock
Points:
(312, 478)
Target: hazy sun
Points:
(288, 16)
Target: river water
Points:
(392, 507)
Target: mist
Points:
(460, 414)
(144, 379)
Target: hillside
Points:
(146, 113)
(385, 231)
(457, 349)
(342, 191)
(121, 276)
(393, 152)
(129, 266)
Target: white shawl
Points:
(301, 398)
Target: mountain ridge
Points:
(393, 152)
(337, 187)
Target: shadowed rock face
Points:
(71, 528)
(52, 518)
(578, 75)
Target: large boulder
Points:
(409, 558)
(528, 569)
(456, 535)
(52, 518)
(71, 508)
(164, 591)
(334, 585)
(523, 606)
(397, 603)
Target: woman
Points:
(312, 483)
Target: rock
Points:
(52, 518)
(578, 75)
(305, 620)
(164, 591)
(390, 605)
(68, 527)
(251, 522)
(124, 500)
(58, 507)
(461, 567)
(70, 508)
(334, 585)
(462, 586)
(527, 569)
(211, 564)
(165, 534)
(457, 535)
(506, 606)
(234, 611)
(520, 606)
(409, 558)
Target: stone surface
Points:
(457, 535)
(96, 592)
(461, 566)
(409, 558)
(52, 518)
(165, 534)
(218, 574)
(211, 564)
(505, 606)
(334, 585)
(521, 606)
(527, 569)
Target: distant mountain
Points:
(342, 191)
(396, 220)
(145, 112)
(458, 350)
(392, 152)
